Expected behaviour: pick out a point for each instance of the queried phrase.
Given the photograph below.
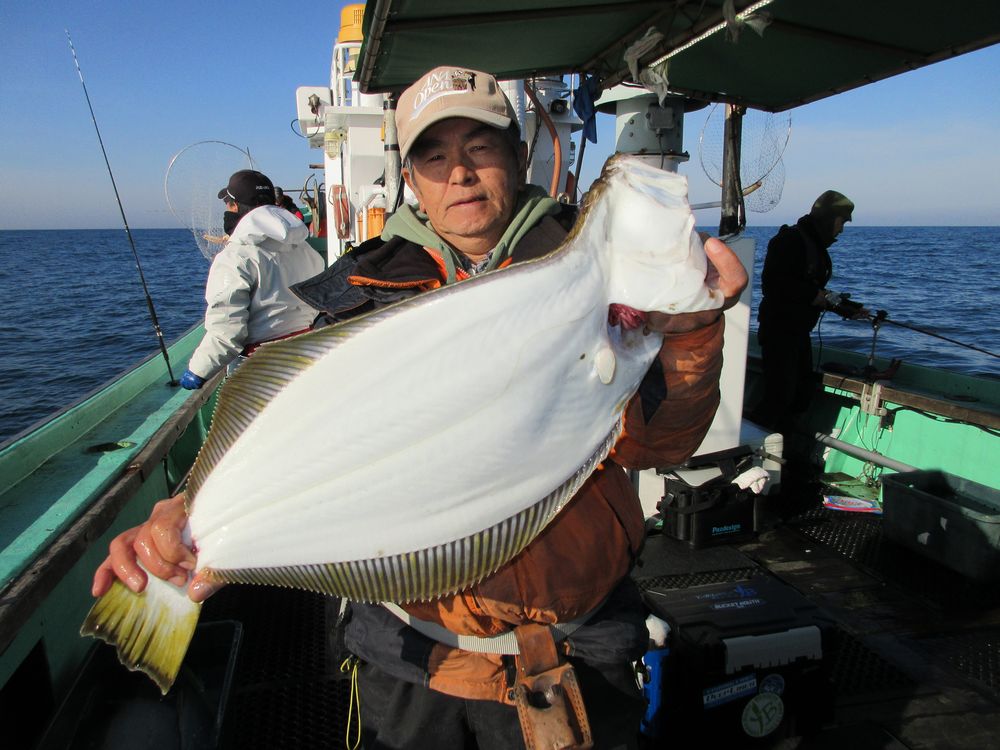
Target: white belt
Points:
(504, 643)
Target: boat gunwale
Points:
(979, 415)
(26, 591)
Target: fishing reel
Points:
(844, 306)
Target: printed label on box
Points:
(739, 591)
(729, 691)
(732, 528)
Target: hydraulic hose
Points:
(556, 145)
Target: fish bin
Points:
(952, 520)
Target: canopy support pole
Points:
(733, 213)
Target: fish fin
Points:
(432, 572)
(150, 630)
(604, 364)
(257, 381)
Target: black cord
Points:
(946, 420)
(819, 335)
(299, 133)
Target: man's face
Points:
(838, 225)
(466, 176)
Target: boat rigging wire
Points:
(135, 254)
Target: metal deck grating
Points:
(857, 671)
(688, 580)
(974, 654)
(288, 691)
(296, 715)
(858, 537)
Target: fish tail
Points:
(150, 630)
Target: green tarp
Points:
(808, 49)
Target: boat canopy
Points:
(770, 56)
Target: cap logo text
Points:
(440, 84)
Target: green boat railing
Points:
(927, 418)
(67, 486)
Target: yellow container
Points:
(376, 222)
(351, 17)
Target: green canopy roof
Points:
(809, 49)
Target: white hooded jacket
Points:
(247, 289)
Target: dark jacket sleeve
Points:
(690, 365)
(330, 292)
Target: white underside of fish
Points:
(428, 428)
(453, 412)
(411, 452)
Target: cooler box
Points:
(702, 506)
(746, 660)
(949, 519)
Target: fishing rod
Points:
(121, 208)
(883, 317)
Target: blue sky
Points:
(919, 149)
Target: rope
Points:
(350, 665)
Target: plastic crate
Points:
(952, 520)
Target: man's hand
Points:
(725, 273)
(191, 382)
(157, 544)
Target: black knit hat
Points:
(249, 187)
(831, 204)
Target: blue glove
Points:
(191, 381)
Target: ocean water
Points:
(74, 315)
(943, 280)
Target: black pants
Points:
(400, 715)
(789, 381)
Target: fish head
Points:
(655, 257)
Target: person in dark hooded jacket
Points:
(796, 271)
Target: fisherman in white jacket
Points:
(249, 302)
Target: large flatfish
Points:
(411, 452)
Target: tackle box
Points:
(702, 506)
(744, 661)
(951, 520)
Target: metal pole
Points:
(732, 198)
(393, 166)
(865, 455)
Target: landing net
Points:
(764, 138)
(192, 182)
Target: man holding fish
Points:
(541, 652)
